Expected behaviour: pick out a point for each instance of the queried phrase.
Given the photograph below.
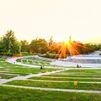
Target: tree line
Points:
(9, 45)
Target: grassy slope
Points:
(8, 68)
(61, 85)
(79, 73)
(5, 76)
(16, 94)
(17, 69)
(66, 79)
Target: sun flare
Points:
(65, 39)
(71, 46)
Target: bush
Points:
(51, 55)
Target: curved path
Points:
(55, 62)
(72, 64)
(13, 61)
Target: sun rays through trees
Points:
(9, 45)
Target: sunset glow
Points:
(71, 46)
(50, 50)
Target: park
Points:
(43, 76)
(50, 50)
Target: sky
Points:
(30, 19)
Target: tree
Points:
(10, 43)
(24, 46)
(39, 46)
(1, 46)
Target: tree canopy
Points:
(39, 46)
(9, 45)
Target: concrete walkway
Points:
(53, 89)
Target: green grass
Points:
(35, 61)
(5, 64)
(2, 59)
(85, 71)
(25, 71)
(26, 54)
(66, 79)
(75, 75)
(6, 76)
(79, 73)
(21, 70)
(61, 85)
(19, 94)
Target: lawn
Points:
(61, 85)
(66, 78)
(19, 94)
(8, 70)
(6, 76)
(84, 71)
(34, 61)
(25, 71)
(2, 59)
(21, 70)
(79, 73)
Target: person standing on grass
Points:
(41, 67)
(77, 66)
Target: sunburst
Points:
(71, 46)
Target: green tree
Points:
(24, 46)
(39, 46)
(10, 43)
(1, 46)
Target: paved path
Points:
(40, 74)
(13, 61)
(3, 80)
(53, 89)
(55, 62)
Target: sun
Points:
(65, 39)
(66, 44)
(69, 45)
